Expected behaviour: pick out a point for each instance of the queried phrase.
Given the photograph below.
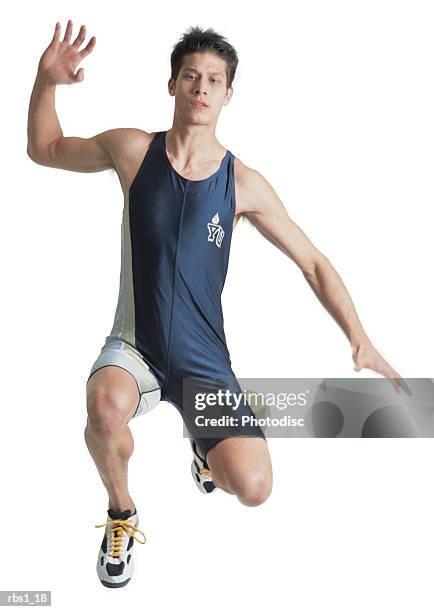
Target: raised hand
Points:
(60, 59)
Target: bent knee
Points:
(254, 490)
(108, 412)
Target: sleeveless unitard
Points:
(176, 237)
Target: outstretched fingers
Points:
(68, 32)
(56, 34)
(397, 381)
(80, 37)
(88, 48)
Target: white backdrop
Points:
(333, 105)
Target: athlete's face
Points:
(202, 78)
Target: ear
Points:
(171, 85)
(228, 95)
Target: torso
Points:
(127, 164)
(176, 238)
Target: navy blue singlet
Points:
(176, 238)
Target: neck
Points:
(193, 145)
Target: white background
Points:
(333, 105)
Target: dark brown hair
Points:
(198, 40)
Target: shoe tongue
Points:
(117, 514)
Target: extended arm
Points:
(268, 214)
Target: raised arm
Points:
(46, 144)
(266, 212)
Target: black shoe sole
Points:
(114, 585)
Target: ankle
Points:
(121, 507)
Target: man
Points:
(184, 194)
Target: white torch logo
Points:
(215, 231)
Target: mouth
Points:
(199, 105)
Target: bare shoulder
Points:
(127, 142)
(128, 147)
(241, 171)
(249, 183)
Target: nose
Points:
(199, 89)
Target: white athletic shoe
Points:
(115, 564)
(200, 471)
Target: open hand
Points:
(366, 356)
(60, 59)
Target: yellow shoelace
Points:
(206, 473)
(203, 471)
(117, 532)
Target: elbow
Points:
(38, 158)
(310, 268)
(31, 153)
